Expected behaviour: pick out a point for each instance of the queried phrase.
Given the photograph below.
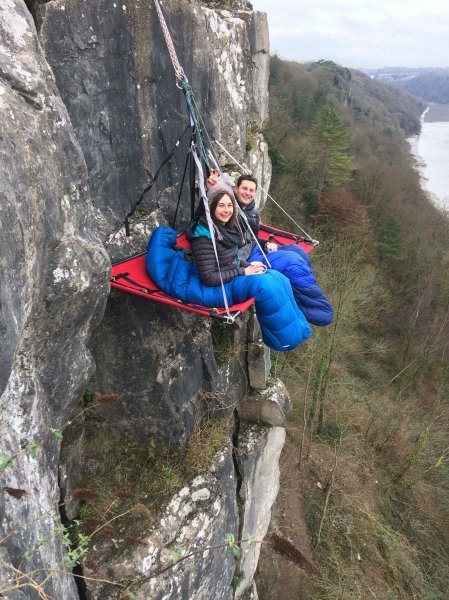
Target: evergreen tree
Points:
(330, 158)
(391, 241)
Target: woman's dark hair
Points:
(213, 205)
(246, 178)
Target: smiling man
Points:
(245, 192)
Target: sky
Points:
(360, 33)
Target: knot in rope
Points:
(183, 83)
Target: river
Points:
(431, 151)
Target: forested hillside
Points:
(370, 425)
(430, 84)
(433, 87)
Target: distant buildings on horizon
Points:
(394, 74)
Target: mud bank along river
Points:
(431, 150)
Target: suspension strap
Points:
(188, 158)
(247, 171)
(192, 176)
(125, 223)
(245, 220)
(212, 230)
(188, 94)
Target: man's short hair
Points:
(246, 178)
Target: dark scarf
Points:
(228, 237)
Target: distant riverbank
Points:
(436, 113)
(431, 151)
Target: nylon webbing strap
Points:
(188, 94)
(245, 219)
(211, 227)
(247, 172)
(188, 157)
(110, 237)
(212, 158)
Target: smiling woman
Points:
(228, 243)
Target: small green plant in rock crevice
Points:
(223, 343)
(76, 543)
(252, 133)
(237, 579)
(7, 460)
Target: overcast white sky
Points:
(360, 33)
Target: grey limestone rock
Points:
(250, 593)
(166, 373)
(260, 49)
(269, 406)
(53, 287)
(198, 517)
(259, 365)
(153, 357)
(260, 165)
(258, 463)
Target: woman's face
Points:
(224, 209)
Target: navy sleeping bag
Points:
(282, 324)
(294, 263)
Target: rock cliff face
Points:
(53, 289)
(89, 109)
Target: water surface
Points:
(431, 149)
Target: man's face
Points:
(245, 192)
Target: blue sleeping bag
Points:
(293, 262)
(282, 324)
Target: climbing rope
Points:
(179, 71)
(188, 157)
(183, 83)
